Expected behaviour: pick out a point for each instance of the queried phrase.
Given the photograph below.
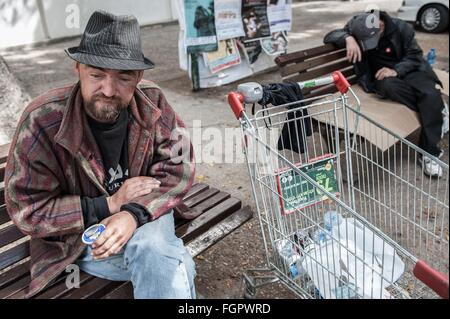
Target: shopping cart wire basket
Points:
(340, 218)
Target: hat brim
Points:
(370, 43)
(107, 62)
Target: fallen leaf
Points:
(200, 178)
(410, 287)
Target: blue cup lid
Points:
(92, 233)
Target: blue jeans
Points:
(154, 260)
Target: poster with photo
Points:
(252, 50)
(228, 19)
(225, 57)
(255, 20)
(276, 44)
(279, 13)
(200, 26)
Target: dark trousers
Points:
(417, 90)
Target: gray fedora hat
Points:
(111, 42)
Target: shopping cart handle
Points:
(341, 82)
(432, 278)
(235, 100)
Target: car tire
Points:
(433, 18)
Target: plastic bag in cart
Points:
(358, 264)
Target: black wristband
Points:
(139, 212)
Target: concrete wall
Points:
(33, 21)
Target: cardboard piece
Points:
(394, 116)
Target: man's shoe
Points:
(431, 167)
(445, 117)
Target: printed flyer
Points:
(200, 26)
(226, 56)
(279, 13)
(228, 19)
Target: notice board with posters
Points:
(296, 192)
(222, 41)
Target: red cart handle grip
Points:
(432, 278)
(235, 100)
(341, 82)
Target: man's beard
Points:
(108, 111)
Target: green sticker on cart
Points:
(309, 84)
(297, 193)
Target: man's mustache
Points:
(108, 99)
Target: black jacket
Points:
(401, 36)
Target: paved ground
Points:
(219, 269)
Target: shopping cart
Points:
(340, 218)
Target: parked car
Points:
(430, 15)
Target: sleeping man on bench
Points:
(389, 62)
(104, 151)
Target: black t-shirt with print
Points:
(112, 140)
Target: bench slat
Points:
(14, 274)
(95, 288)
(4, 217)
(191, 200)
(191, 230)
(201, 197)
(124, 291)
(10, 234)
(212, 201)
(2, 193)
(195, 190)
(59, 288)
(219, 231)
(182, 209)
(4, 149)
(14, 288)
(199, 209)
(13, 255)
(2, 171)
(300, 56)
(308, 64)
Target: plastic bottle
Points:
(331, 220)
(287, 253)
(320, 236)
(431, 56)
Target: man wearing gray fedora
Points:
(107, 150)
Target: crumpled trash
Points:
(356, 263)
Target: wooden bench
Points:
(214, 214)
(322, 60)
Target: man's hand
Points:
(385, 73)
(119, 229)
(353, 50)
(131, 188)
